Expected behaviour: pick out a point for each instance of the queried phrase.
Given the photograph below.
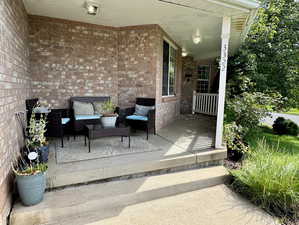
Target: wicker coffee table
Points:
(96, 131)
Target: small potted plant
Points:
(31, 178)
(36, 140)
(109, 116)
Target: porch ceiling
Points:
(179, 18)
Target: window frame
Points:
(172, 47)
(200, 79)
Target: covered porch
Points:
(187, 143)
(166, 52)
(108, 53)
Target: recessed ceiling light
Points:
(92, 7)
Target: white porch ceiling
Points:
(180, 20)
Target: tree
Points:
(268, 60)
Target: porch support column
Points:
(226, 22)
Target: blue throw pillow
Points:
(141, 110)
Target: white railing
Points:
(205, 103)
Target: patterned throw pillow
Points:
(141, 110)
(98, 107)
(83, 108)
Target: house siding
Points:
(14, 89)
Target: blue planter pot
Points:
(31, 188)
(43, 153)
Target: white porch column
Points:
(226, 22)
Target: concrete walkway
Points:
(216, 205)
(274, 116)
(192, 197)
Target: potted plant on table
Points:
(36, 140)
(109, 116)
(31, 178)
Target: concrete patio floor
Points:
(187, 141)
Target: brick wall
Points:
(167, 108)
(188, 84)
(14, 89)
(76, 59)
(72, 59)
(137, 62)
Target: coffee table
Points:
(96, 131)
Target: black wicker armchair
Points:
(146, 122)
(58, 124)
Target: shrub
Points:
(233, 135)
(270, 179)
(283, 126)
(248, 109)
(243, 113)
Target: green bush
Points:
(248, 109)
(270, 178)
(234, 137)
(242, 114)
(283, 126)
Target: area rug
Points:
(75, 150)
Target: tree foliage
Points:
(268, 60)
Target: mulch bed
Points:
(232, 165)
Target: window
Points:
(203, 75)
(169, 69)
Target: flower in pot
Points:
(36, 140)
(31, 178)
(109, 116)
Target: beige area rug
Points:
(75, 150)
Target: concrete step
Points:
(142, 166)
(95, 202)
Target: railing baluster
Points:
(205, 103)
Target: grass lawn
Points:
(293, 112)
(286, 142)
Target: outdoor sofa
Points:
(80, 120)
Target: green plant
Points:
(234, 137)
(244, 113)
(269, 55)
(28, 164)
(108, 108)
(31, 169)
(36, 132)
(270, 178)
(248, 109)
(283, 126)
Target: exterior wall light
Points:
(184, 52)
(196, 37)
